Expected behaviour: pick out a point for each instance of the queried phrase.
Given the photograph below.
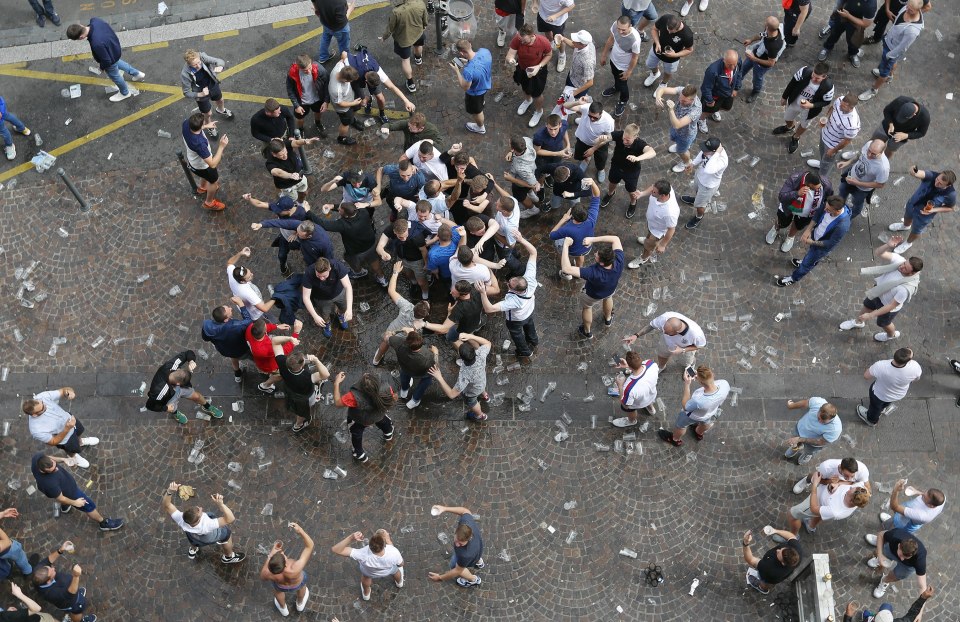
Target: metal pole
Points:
(307, 169)
(439, 14)
(84, 206)
(187, 173)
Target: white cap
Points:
(581, 36)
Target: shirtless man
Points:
(287, 575)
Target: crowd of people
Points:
(454, 234)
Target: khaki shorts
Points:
(418, 268)
(587, 302)
(802, 511)
(300, 187)
(663, 350)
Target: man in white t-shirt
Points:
(710, 164)
(923, 507)
(243, 287)
(896, 283)
(826, 503)
(700, 409)
(590, 128)
(203, 529)
(552, 16)
(678, 335)
(663, 212)
(426, 158)
(637, 389)
(848, 471)
(519, 303)
(623, 50)
(466, 265)
(376, 560)
(891, 381)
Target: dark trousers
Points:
(876, 407)
(619, 83)
(842, 27)
(858, 195)
(283, 249)
(880, 22)
(789, 22)
(72, 446)
(419, 388)
(357, 428)
(809, 262)
(524, 335)
(50, 11)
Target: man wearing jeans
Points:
(762, 53)
(891, 381)
(906, 28)
(837, 130)
(334, 16)
(203, 528)
(863, 175)
(519, 303)
(817, 428)
(105, 47)
(415, 363)
(8, 117)
(853, 17)
(45, 11)
(11, 552)
(467, 548)
(826, 227)
(51, 424)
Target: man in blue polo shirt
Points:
(57, 483)
(228, 336)
(600, 279)
(63, 592)
(577, 224)
(476, 79)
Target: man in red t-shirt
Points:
(530, 53)
(261, 348)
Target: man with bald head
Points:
(906, 28)
(862, 175)
(721, 81)
(762, 54)
(679, 335)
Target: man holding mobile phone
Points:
(700, 408)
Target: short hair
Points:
(861, 497)
(463, 45)
(195, 121)
(829, 410)
(632, 130)
(349, 74)
(74, 31)
(851, 98)
(463, 532)
(425, 147)
(307, 227)
(239, 272)
(909, 547)
(633, 359)
(431, 188)
(372, 78)
(474, 223)
(812, 179)
(467, 353)
(424, 206)
(219, 314)
(623, 20)
(554, 120)
(404, 165)
(704, 373)
(192, 516)
(463, 287)
(45, 462)
(348, 209)
(464, 254)
(507, 204)
(296, 361)
(276, 145)
(916, 263)
(850, 465)
(191, 55)
(462, 159)
(276, 563)
(400, 225)
(444, 233)
(304, 61)
(29, 405)
(671, 21)
(936, 497)
(835, 201)
(517, 143)
(822, 68)
(418, 119)
(322, 264)
(271, 104)
(377, 543)
(606, 256)
(479, 184)
(596, 107)
(421, 310)
(526, 30)
(662, 186)
(259, 328)
(41, 574)
(181, 376)
(950, 176)
(790, 557)
(903, 356)
(561, 174)
(578, 213)
(414, 340)
(690, 90)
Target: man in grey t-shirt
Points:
(863, 175)
(472, 380)
(49, 423)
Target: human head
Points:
(195, 122)
(730, 59)
(634, 360)
(46, 464)
(423, 210)
(460, 161)
(914, 7)
(789, 557)
(278, 561)
(478, 184)
(463, 534)
(934, 497)
(414, 340)
(242, 274)
(464, 255)
(372, 78)
(561, 174)
(304, 62)
(672, 22)
(812, 180)
(860, 497)
(630, 133)
(463, 288)
(475, 226)
(192, 57)
(296, 362)
(258, 330)
(945, 179)
(908, 548)
(826, 413)
(417, 122)
(688, 94)
(848, 102)
(527, 34)
(662, 188)
(405, 169)
(353, 176)
(347, 209)
(43, 574)
(578, 213)
(595, 111)
(875, 149)
(517, 284)
(581, 39)
(32, 407)
(444, 233)
(903, 356)
(421, 310)
(432, 188)
(506, 205)
(710, 145)
(606, 256)
(911, 266)
(623, 25)
(377, 542)
(906, 112)
(278, 148)
(554, 123)
(467, 353)
(820, 72)
(517, 144)
(222, 313)
(305, 230)
(192, 515)
(401, 229)
(772, 24)
(183, 376)
(849, 467)
(76, 32)
(425, 151)
(348, 74)
(834, 205)
(464, 48)
(704, 374)
(322, 268)
(271, 107)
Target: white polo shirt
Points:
(589, 131)
(662, 216)
(693, 336)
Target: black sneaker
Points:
(54, 18)
(236, 559)
(301, 427)
(782, 281)
(346, 140)
(238, 376)
(382, 118)
(368, 108)
(388, 436)
(605, 201)
(584, 333)
(693, 223)
(824, 31)
(192, 552)
(631, 210)
(687, 198)
(321, 130)
(619, 109)
(362, 458)
(111, 524)
(607, 92)
(608, 321)
(752, 96)
(418, 60)
(796, 262)
(782, 129)
(794, 144)
(285, 271)
(411, 86)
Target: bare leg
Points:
(607, 307)
(95, 516)
(228, 548)
(538, 103)
(586, 316)
(405, 67)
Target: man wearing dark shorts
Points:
(303, 385)
(62, 591)
(373, 80)
(203, 529)
(475, 79)
(57, 483)
(359, 240)
(327, 287)
(200, 83)
(721, 81)
(466, 316)
(801, 195)
(776, 564)
(629, 150)
(51, 424)
(530, 54)
(600, 279)
(345, 101)
(567, 185)
(408, 25)
(308, 85)
(285, 166)
(201, 161)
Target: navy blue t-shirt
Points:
(544, 140)
(196, 143)
(56, 592)
(53, 484)
(601, 282)
(895, 537)
(329, 288)
(472, 551)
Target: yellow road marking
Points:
(13, 66)
(72, 57)
(221, 35)
(150, 46)
(290, 22)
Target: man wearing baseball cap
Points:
(904, 119)
(711, 162)
(583, 64)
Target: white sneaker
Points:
(787, 244)
(867, 95)
(903, 247)
(702, 126)
(813, 163)
(365, 595)
(501, 38)
(524, 106)
(650, 79)
(561, 62)
(302, 604)
(873, 562)
(535, 119)
(884, 517)
(685, 9)
(529, 213)
(849, 324)
(871, 539)
(11, 152)
(882, 336)
(82, 462)
(898, 226)
(679, 168)
(672, 148)
(602, 176)
(565, 276)
(703, 5)
(636, 263)
(402, 576)
(624, 422)
(771, 236)
(880, 590)
(801, 486)
(476, 129)
(283, 610)
(119, 97)
(139, 77)
(89, 441)
(716, 117)
(413, 404)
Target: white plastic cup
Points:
(768, 530)
(435, 510)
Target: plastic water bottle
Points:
(163, 134)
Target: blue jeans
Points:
(857, 196)
(47, 8)
(114, 72)
(16, 555)
(343, 41)
(423, 383)
(810, 260)
(885, 68)
(759, 72)
(650, 13)
(17, 124)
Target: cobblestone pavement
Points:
(684, 509)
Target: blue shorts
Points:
(920, 220)
(684, 420)
(900, 571)
(90, 505)
(218, 536)
(283, 588)
(683, 139)
(650, 13)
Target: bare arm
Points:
(307, 549)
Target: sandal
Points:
(693, 428)
(667, 437)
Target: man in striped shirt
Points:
(837, 130)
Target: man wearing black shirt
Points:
(359, 242)
(901, 554)
(285, 166)
(303, 385)
(776, 565)
(481, 228)
(334, 16)
(476, 200)
(762, 54)
(672, 40)
(567, 184)
(63, 592)
(57, 483)
(326, 288)
(885, 614)
(407, 242)
(415, 362)
(273, 121)
(852, 18)
(904, 119)
(628, 152)
(465, 316)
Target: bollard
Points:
(440, 14)
(307, 169)
(189, 175)
(84, 206)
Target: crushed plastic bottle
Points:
(267, 510)
(502, 380)
(328, 474)
(18, 335)
(513, 366)
(234, 485)
(98, 342)
(601, 447)
(329, 154)
(582, 366)
(143, 278)
(693, 586)
(164, 134)
(175, 291)
(712, 327)
(705, 278)
(499, 97)
(744, 363)
(551, 386)
(589, 398)
(650, 310)
(569, 505)
(150, 340)
(364, 307)
(745, 327)
(625, 552)
(202, 416)
(571, 537)
(258, 453)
